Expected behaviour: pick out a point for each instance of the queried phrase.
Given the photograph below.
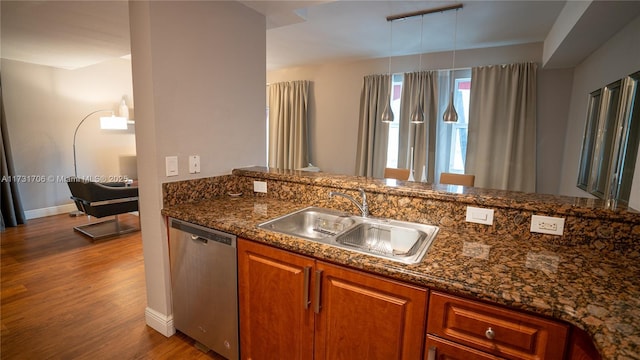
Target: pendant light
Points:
(450, 115)
(387, 113)
(417, 116)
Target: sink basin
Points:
(395, 240)
(401, 241)
(311, 223)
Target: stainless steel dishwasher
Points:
(204, 285)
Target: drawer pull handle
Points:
(490, 334)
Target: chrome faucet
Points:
(364, 207)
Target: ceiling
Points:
(73, 34)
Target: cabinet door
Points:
(362, 316)
(276, 321)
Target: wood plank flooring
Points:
(65, 297)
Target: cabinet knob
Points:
(490, 334)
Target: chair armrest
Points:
(100, 192)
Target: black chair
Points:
(100, 200)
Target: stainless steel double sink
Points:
(401, 241)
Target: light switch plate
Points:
(547, 225)
(260, 186)
(479, 215)
(171, 165)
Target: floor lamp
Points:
(109, 123)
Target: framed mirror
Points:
(593, 106)
(611, 137)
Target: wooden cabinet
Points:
(275, 320)
(296, 307)
(491, 329)
(367, 317)
(293, 307)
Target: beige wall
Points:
(618, 57)
(199, 76)
(335, 99)
(43, 107)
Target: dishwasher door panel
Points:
(204, 291)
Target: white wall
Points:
(199, 76)
(44, 105)
(618, 57)
(335, 101)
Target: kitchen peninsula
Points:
(588, 278)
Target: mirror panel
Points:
(629, 136)
(610, 143)
(589, 139)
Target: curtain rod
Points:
(423, 12)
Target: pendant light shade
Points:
(387, 113)
(417, 115)
(450, 114)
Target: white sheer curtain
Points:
(373, 134)
(288, 148)
(501, 148)
(419, 86)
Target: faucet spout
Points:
(363, 207)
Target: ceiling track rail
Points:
(423, 12)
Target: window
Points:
(452, 138)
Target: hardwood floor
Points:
(64, 297)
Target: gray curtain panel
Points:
(501, 148)
(288, 116)
(373, 134)
(419, 86)
(12, 211)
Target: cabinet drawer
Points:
(440, 349)
(494, 329)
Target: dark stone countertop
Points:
(594, 290)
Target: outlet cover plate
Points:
(194, 164)
(479, 215)
(547, 225)
(260, 186)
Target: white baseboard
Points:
(159, 322)
(48, 211)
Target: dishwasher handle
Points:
(205, 234)
(202, 240)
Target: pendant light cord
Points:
(390, 54)
(455, 45)
(421, 31)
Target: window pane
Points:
(394, 127)
(458, 140)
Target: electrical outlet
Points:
(194, 164)
(260, 186)
(479, 215)
(547, 225)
